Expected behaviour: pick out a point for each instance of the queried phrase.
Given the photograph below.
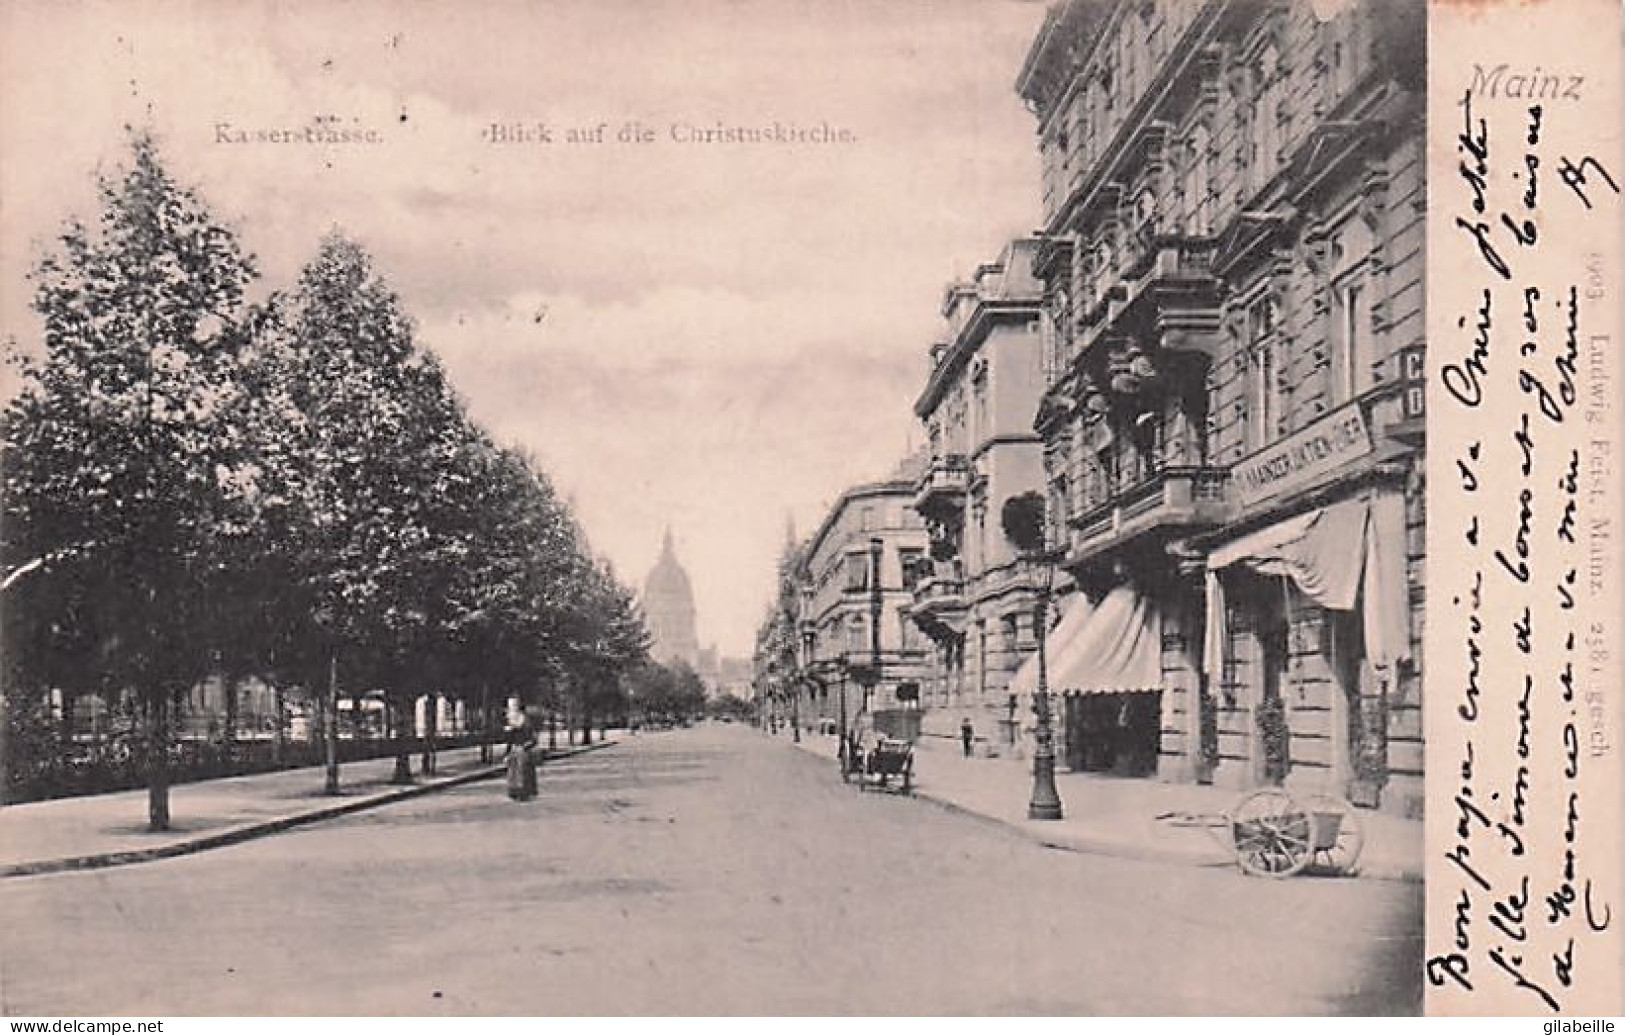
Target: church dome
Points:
(668, 607)
(667, 580)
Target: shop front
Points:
(1307, 622)
(1104, 663)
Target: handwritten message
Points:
(1523, 649)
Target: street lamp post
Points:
(846, 762)
(795, 712)
(1046, 800)
(1026, 527)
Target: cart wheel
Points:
(1271, 833)
(1338, 836)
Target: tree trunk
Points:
(279, 739)
(158, 763)
(431, 727)
(330, 724)
(228, 687)
(401, 719)
(586, 727)
(485, 721)
(65, 721)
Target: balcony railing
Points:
(943, 486)
(1167, 284)
(939, 593)
(1173, 498)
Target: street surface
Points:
(706, 871)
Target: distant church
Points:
(668, 607)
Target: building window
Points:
(1350, 337)
(1197, 182)
(1008, 632)
(857, 634)
(909, 636)
(1263, 372)
(1266, 118)
(979, 428)
(1351, 368)
(911, 558)
(857, 572)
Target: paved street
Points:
(706, 871)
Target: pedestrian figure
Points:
(522, 764)
(966, 734)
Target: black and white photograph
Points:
(763, 508)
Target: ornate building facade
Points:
(857, 641)
(972, 598)
(668, 608)
(1233, 260)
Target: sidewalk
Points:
(102, 830)
(1116, 815)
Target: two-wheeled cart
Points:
(1277, 834)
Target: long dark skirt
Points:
(521, 774)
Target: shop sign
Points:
(1303, 458)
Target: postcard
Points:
(1099, 508)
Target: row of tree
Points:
(201, 483)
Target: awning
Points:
(1114, 646)
(1056, 644)
(1348, 554)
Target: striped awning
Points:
(1114, 646)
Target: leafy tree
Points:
(1022, 520)
(126, 468)
(605, 635)
(372, 468)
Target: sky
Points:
(714, 336)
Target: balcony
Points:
(940, 492)
(939, 604)
(1167, 294)
(1176, 499)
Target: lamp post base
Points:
(1046, 800)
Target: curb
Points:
(262, 828)
(1083, 844)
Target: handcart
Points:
(1276, 834)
